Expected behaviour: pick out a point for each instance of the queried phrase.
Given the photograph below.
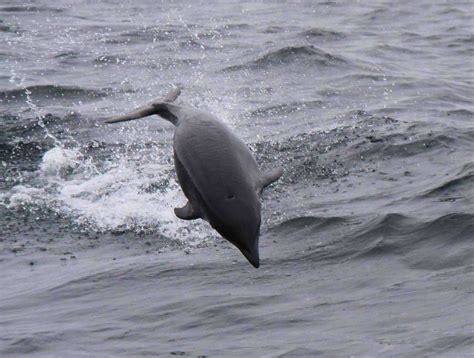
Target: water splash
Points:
(125, 196)
(127, 190)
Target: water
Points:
(367, 240)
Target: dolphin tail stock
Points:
(158, 107)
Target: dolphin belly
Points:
(219, 168)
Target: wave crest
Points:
(291, 54)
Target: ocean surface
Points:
(367, 241)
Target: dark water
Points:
(367, 241)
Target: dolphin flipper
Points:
(187, 212)
(270, 176)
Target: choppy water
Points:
(367, 240)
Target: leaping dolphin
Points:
(217, 172)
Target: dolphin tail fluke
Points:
(159, 107)
(137, 114)
(172, 95)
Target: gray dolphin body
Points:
(217, 172)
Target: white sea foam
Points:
(22, 195)
(125, 195)
(58, 160)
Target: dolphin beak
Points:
(252, 256)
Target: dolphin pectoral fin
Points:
(187, 212)
(270, 176)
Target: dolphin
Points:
(216, 171)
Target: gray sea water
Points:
(367, 240)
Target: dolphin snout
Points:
(252, 256)
(251, 251)
(244, 235)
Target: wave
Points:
(153, 34)
(322, 34)
(29, 8)
(167, 63)
(379, 15)
(146, 35)
(301, 352)
(51, 92)
(110, 59)
(461, 113)
(192, 43)
(234, 26)
(285, 108)
(402, 145)
(274, 30)
(32, 344)
(447, 96)
(287, 55)
(306, 224)
(230, 30)
(23, 154)
(12, 127)
(395, 50)
(464, 40)
(436, 244)
(452, 11)
(411, 142)
(325, 154)
(462, 182)
(68, 54)
(7, 28)
(374, 77)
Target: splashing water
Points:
(134, 192)
(123, 197)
